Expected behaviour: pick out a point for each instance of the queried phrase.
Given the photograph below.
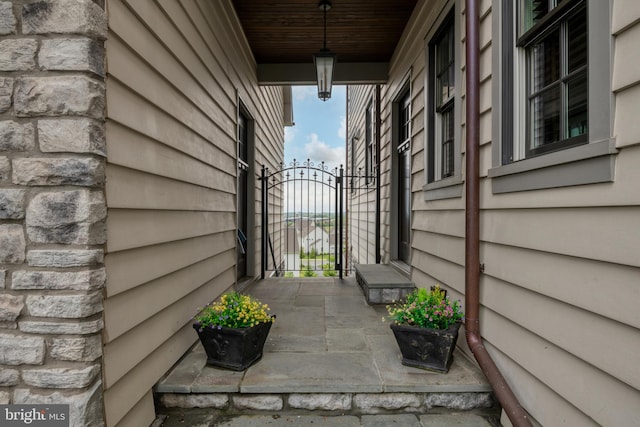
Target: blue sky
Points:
(319, 131)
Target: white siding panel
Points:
(627, 125)
(564, 325)
(625, 14)
(626, 53)
(580, 233)
(576, 281)
(604, 399)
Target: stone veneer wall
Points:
(52, 204)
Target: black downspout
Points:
(265, 222)
(503, 392)
(378, 189)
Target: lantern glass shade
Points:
(325, 62)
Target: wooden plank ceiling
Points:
(287, 32)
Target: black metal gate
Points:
(319, 222)
(302, 220)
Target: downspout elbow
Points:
(504, 394)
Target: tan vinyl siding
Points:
(361, 203)
(559, 291)
(177, 71)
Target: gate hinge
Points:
(481, 268)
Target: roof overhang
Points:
(284, 35)
(304, 74)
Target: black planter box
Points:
(430, 349)
(233, 348)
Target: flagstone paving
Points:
(326, 343)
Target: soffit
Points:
(290, 32)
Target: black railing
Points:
(316, 221)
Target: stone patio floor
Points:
(325, 339)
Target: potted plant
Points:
(426, 328)
(233, 330)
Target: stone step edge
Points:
(351, 403)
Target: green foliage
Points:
(328, 271)
(288, 274)
(234, 310)
(313, 253)
(308, 272)
(428, 309)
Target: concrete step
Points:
(206, 419)
(382, 284)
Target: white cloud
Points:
(342, 131)
(318, 152)
(289, 134)
(302, 92)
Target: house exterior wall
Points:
(559, 288)
(177, 74)
(360, 191)
(52, 205)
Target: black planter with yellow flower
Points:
(426, 328)
(233, 331)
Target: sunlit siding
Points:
(177, 71)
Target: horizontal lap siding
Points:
(559, 290)
(361, 203)
(172, 91)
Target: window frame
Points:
(370, 144)
(245, 158)
(587, 163)
(402, 96)
(438, 187)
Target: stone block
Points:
(327, 402)
(9, 325)
(9, 377)
(6, 93)
(18, 54)
(5, 168)
(61, 327)
(65, 306)
(21, 350)
(88, 280)
(55, 171)
(72, 136)
(382, 284)
(12, 203)
(72, 55)
(65, 258)
(212, 400)
(67, 217)
(64, 17)
(10, 307)
(12, 244)
(258, 402)
(59, 96)
(84, 349)
(7, 18)
(372, 403)
(85, 409)
(16, 136)
(60, 377)
(458, 401)
(3, 275)
(5, 398)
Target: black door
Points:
(243, 193)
